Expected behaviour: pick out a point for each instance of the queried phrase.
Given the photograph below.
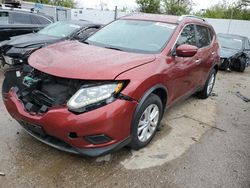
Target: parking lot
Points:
(200, 144)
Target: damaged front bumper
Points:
(74, 133)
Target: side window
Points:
(187, 36)
(87, 32)
(247, 44)
(211, 32)
(91, 30)
(35, 19)
(4, 17)
(203, 36)
(20, 18)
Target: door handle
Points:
(213, 53)
(198, 61)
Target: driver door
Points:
(186, 68)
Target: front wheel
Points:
(146, 122)
(208, 88)
(240, 64)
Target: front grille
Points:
(41, 98)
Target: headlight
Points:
(27, 51)
(3, 43)
(8, 60)
(89, 96)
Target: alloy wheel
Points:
(148, 122)
(210, 84)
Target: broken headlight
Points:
(94, 96)
(8, 60)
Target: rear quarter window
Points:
(212, 34)
(248, 44)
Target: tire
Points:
(242, 63)
(208, 88)
(224, 65)
(151, 104)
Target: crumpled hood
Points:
(227, 53)
(72, 59)
(23, 41)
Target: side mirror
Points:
(186, 50)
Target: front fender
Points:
(143, 80)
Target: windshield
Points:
(133, 36)
(59, 29)
(232, 43)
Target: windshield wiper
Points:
(113, 48)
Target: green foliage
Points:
(172, 7)
(63, 3)
(177, 7)
(149, 6)
(239, 10)
(123, 9)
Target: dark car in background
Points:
(234, 53)
(17, 50)
(17, 21)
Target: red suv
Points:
(110, 91)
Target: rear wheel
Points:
(146, 122)
(243, 63)
(207, 90)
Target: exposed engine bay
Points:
(37, 90)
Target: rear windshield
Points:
(229, 42)
(134, 36)
(60, 29)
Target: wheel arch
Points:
(159, 90)
(216, 67)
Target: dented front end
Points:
(39, 91)
(38, 101)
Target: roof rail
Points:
(191, 16)
(10, 7)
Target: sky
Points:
(199, 4)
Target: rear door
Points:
(206, 53)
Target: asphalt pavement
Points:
(201, 144)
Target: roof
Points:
(163, 18)
(82, 23)
(28, 12)
(153, 17)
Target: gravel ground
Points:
(201, 144)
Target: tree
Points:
(172, 7)
(177, 7)
(124, 9)
(63, 3)
(239, 10)
(149, 6)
